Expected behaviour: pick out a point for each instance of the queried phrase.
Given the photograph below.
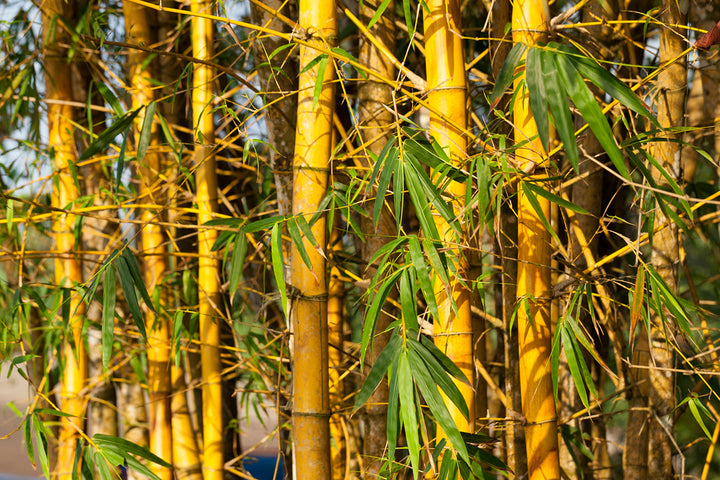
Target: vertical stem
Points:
(447, 97)
(376, 121)
(672, 91)
(208, 271)
(308, 306)
(336, 300)
(140, 29)
(529, 22)
(68, 262)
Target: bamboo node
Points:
(312, 414)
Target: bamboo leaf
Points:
(559, 107)
(108, 314)
(589, 109)
(41, 444)
(393, 409)
(278, 265)
(407, 411)
(446, 363)
(530, 195)
(407, 302)
(320, 79)
(604, 80)
(507, 72)
(109, 97)
(237, 261)
(572, 362)
(537, 190)
(439, 375)
(695, 406)
(389, 167)
(102, 467)
(126, 283)
(297, 239)
(145, 131)
(136, 276)
(423, 275)
(108, 136)
(537, 98)
(374, 310)
(381, 366)
(128, 447)
(423, 379)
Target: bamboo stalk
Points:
(208, 272)
(376, 121)
(529, 22)
(672, 91)
(308, 308)
(141, 29)
(336, 318)
(68, 261)
(447, 96)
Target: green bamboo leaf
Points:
(320, 80)
(134, 269)
(590, 110)
(423, 275)
(41, 443)
(695, 406)
(393, 408)
(278, 265)
(446, 363)
(128, 447)
(126, 283)
(574, 367)
(532, 198)
(374, 310)
(398, 195)
(102, 467)
(507, 72)
(537, 190)
(555, 360)
(604, 80)
(407, 411)
(407, 302)
(108, 314)
(110, 98)
(535, 82)
(108, 136)
(390, 166)
(439, 375)
(27, 428)
(407, 11)
(381, 366)
(559, 108)
(428, 388)
(422, 206)
(237, 261)
(297, 239)
(585, 342)
(144, 138)
(438, 262)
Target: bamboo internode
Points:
(534, 287)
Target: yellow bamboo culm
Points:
(447, 97)
(68, 263)
(208, 273)
(309, 290)
(529, 23)
(140, 31)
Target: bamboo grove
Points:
(431, 238)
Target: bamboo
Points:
(672, 88)
(68, 262)
(376, 121)
(529, 23)
(208, 273)
(308, 292)
(336, 318)
(447, 95)
(141, 30)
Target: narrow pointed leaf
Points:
(108, 314)
(536, 91)
(146, 130)
(378, 370)
(507, 72)
(278, 265)
(559, 107)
